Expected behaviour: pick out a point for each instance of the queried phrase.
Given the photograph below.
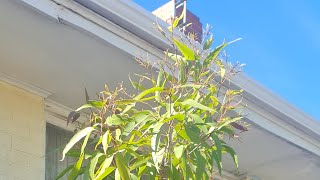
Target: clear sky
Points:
(280, 43)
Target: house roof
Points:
(55, 48)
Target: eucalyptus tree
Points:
(173, 127)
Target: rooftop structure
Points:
(174, 8)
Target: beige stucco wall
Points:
(22, 134)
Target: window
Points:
(56, 139)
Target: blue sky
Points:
(280, 43)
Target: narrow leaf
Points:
(97, 104)
(176, 21)
(93, 164)
(76, 168)
(178, 150)
(64, 172)
(195, 104)
(122, 167)
(184, 166)
(85, 106)
(114, 120)
(208, 43)
(185, 50)
(105, 142)
(175, 57)
(213, 54)
(85, 141)
(139, 163)
(75, 139)
(218, 145)
(105, 173)
(218, 161)
(105, 165)
(141, 95)
(232, 153)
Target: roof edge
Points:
(143, 20)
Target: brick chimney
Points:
(174, 8)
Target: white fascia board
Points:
(76, 15)
(23, 85)
(277, 103)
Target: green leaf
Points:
(178, 151)
(128, 128)
(174, 173)
(184, 166)
(76, 168)
(117, 175)
(175, 57)
(198, 120)
(148, 91)
(75, 139)
(86, 172)
(105, 173)
(64, 172)
(217, 143)
(179, 117)
(159, 81)
(125, 101)
(141, 95)
(106, 163)
(160, 29)
(85, 106)
(183, 72)
(228, 121)
(93, 164)
(85, 141)
(97, 104)
(152, 172)
(232, 153)
(114, 120)
(200, 164)
(208, 43)
(176, 21)
(193, 132)
(122, 167)
(222, 69)
(185, 50)
(140, 162)
(196, 86)
(180, 130)
(155, 139)
(218, 161)
(196, 69)
(160, 77)
(105, 141)
(195, 104)
(137, 86)
(213, 54)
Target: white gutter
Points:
(270, 112)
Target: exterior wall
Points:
(165, 12)
(22, 134)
